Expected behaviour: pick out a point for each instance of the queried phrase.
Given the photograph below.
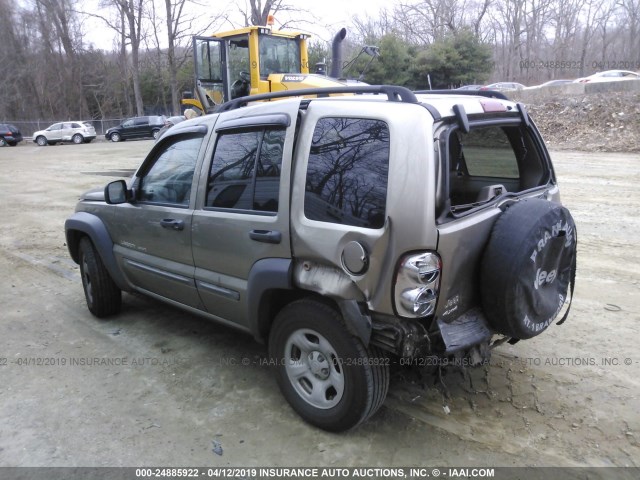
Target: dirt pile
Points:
(593, 122)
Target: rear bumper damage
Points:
(411, 339)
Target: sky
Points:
(330, 16)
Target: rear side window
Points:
(488, 153)
(490, 161)
(245, 172)
(348, 172)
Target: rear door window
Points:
(245, 172)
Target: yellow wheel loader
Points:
(255, 60)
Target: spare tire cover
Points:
(528, 268)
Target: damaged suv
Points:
(346, 232)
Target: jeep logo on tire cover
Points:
(543, 277)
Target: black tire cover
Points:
(528, 268)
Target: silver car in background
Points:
(73, 131)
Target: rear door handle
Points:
(265, 236)
(172, 224)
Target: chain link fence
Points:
(28, 127)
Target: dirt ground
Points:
(178, 386)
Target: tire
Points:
(155, 133)
(115, 137)
(528, 268)
(103, 296)
(77, 139)
(325, 373)
(3, 142)
(42, 141)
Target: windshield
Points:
(278, 55)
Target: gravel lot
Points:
(178, 386)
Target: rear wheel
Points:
(42, 141)
(102, 294)
(329, 378)
(77, 139)
(3, 142)
(155, 133)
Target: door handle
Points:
(172, 224)
(265, 236)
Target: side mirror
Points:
(116, 193)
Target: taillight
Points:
(417, 284)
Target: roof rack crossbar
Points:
(394, 93)
(482, 93)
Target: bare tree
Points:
(535, 21)
(129, 25)
(180, 29)
(62, 16)
(605, 22)
(591, 13)
(565, 21)
(256, 12)
(372, 28)
(631, 9)
(426, 21)
(508, 22)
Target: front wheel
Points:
(3, 142)
(155, 133)
(102, 294)
(42, 141)
(325, 373)
(77, 139)
(115, 137)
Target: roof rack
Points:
(394, 93)
(482, 93)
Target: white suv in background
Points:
(76, 132)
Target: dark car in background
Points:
(9, 135)
(136, 127)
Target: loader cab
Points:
(239, 62)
